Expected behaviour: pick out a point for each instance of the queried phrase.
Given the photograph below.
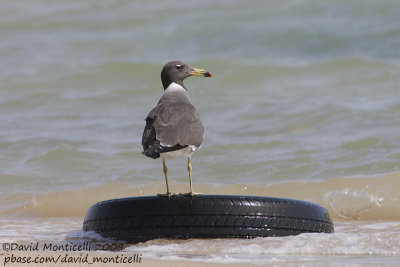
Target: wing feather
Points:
(171, 126)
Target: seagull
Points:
(173, 128)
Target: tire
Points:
(138, 219)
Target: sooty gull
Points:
(173, 128)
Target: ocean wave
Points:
(359, 243)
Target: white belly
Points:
(184, 152)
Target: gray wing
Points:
(149, 141)
(178, 124)
(171, 127)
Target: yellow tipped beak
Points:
(200, 72)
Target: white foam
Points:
(366, 240)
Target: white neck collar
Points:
(174, 87)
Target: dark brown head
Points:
(177, 71)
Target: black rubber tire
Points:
(138, 219)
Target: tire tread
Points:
(140, 219)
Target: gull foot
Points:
(168, 195)
(191, 194)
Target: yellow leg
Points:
(189, 167)
(165, 169)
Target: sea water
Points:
(304, 103)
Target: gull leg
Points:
(165, 169)
(189, 167)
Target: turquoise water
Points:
(303, 92)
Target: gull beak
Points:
(200, 72)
